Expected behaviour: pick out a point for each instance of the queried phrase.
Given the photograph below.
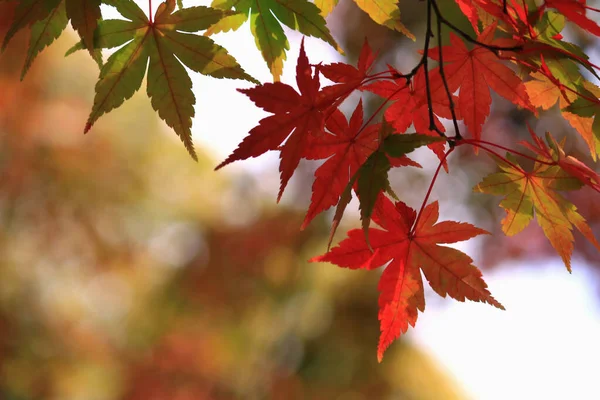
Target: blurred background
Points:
(127, 271)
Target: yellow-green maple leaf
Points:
(47, 20)
(529, 194)
(166, 43)
(266, 19)
(544, 93)
(384, 12)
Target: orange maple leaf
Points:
(449, 271)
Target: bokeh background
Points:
(127, 271)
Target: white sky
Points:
(546, 345)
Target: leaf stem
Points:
(490, 47)
(374, 78)
(428, 35)
(501, 157)
(387, 100)
(515, 152)
(433, 180)
(150, 11)
(379, 75)
(457, 134)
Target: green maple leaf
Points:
(529, 193)
(48, 19)
(372, 177)
(383, 12)
(163, 42)
(587, 105)
(266, 17)
(44, 32)
(84, 16)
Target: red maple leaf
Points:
(348, 77)
(409, 105)
(474, 72)
(449, 271)
(515, 15)
(574, 10)
(469, 8)
(296, 115)
(346, 147)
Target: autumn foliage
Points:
(514, 48)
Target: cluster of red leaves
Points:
(519, 53)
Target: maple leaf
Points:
(575, 10)
(346, 148)
(553, 151)
(164, 43)
(386, 13)
(409, 105)
(383, 12)
(371, 178)
(84, 16)
(297, 115)
(474, 72)
(346, 77)
(326, 6)
(345, 73)
(48, 19)
(44, 32)
(471, 11)
(529, 193)
(545, 91)
(541, 49)
(583, 113)
(490, 12)
(408, 250)
(266, 17)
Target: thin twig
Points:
(433, 180)
(428, 35)
(387, 100)
(515, 152)
(504, 159)
(457, 134)
(490, 47)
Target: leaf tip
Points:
(381, 348)
(315, 259)
(365, 227)
(306, 222)
(496, 303)
(224, 163)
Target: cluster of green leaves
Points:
(512, 47)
